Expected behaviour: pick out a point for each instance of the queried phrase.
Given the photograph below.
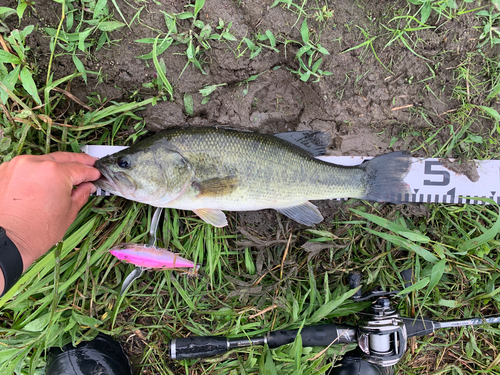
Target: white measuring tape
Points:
(429, 180)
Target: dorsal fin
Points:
(313, 141)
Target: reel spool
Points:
(383, 338)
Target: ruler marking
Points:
(429, 171)
(436, 198)
(451, 192)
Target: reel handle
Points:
(354, 279)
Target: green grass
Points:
(249, 283)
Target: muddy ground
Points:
(367, 108)
(362, 104)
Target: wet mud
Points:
(466, 168)
(369, 104)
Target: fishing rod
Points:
(381, 336)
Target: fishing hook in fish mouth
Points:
(139, 271)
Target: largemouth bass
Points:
(208, 170)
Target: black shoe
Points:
(101, 356)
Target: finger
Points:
(69, 157)
(78, 173)
(81, 194)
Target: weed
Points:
(490, 31)
(256, 46)
(208, 90)
(447, 9)
(368, 43)
(4, 13)
(403, 34)
(86, 33)
(250, 79)
(188, 104)
(22, 71)
(308, 65)
(195, 39)
(323, 14)
(290, 5)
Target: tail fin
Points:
(385, 177)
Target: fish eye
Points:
(123, 162)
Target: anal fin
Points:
(212, 216)
(306, 213)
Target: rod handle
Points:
(320, 335)
(198, 347)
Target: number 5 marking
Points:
(428, 170)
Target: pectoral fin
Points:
(306, 213)
(216, 186)
(212, 216)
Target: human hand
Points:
(40, 197)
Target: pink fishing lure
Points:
(150, 257)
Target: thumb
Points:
(81, 194)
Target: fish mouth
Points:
(106, 185)
(106, 182)
(116, 183)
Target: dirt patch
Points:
(466, 168)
